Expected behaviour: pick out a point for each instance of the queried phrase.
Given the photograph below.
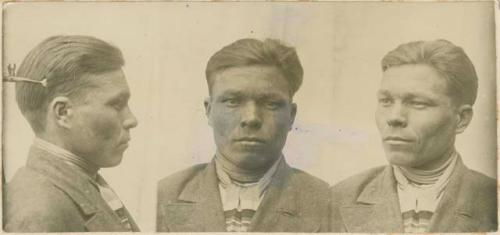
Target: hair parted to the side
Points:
(63, 61)
(449, 60)
(249, 52)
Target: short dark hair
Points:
(62, 61)
(449, 60)
(249, 52)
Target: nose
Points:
(397, 116)
(130, 120)
(250, 117)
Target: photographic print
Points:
(303, 117)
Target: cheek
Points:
(223, 122)
(106, 127)
(433, 128)
(379, 119)
(279, 123)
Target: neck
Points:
(438, 162)
(53, 138)
(60, 150)
(238, 173)
(429, 176)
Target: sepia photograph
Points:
(301, 117)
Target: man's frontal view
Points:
(248, 186)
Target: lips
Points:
(124, 143)
(251, 140)
(397, 140)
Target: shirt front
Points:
(420, 192)
(240, 201)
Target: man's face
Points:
(416, 117)
(250, 111)
(100, 122)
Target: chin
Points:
(402, 159)
(112, 162)
(265, 162)
(253, 161)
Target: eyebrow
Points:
(407, 95)
(232, 92)
(383, 92)
(123, 95)
(273, 95)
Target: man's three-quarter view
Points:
(425, 99)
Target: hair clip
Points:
(11, 76)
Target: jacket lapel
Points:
(278, 211)
(376, 208)
(133, 225)
(97, 215)
(455, 211)
(199, 207)
(102, 221)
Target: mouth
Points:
(250, 141)
(123, 144)
(397, 140)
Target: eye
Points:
(419, 104)
(231, 102)
(385, 101)
(272, 105)
(118, 104)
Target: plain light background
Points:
(167, 45)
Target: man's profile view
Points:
(74, 95)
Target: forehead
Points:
(414, 79)
(250, 79)
(107, 85)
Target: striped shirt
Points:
(113, 201)
(420, 192)
(241, 201)
(109, 196)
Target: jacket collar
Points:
(455, 212)
(77, 185)
(280, 209)
(376, 208)
(200, 207)
(378, 205)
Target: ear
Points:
(293, 113)
(464, 117)
(60, 109)
(208, 108)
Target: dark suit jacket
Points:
(189, 201)
(369, 203)
(48, 195)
